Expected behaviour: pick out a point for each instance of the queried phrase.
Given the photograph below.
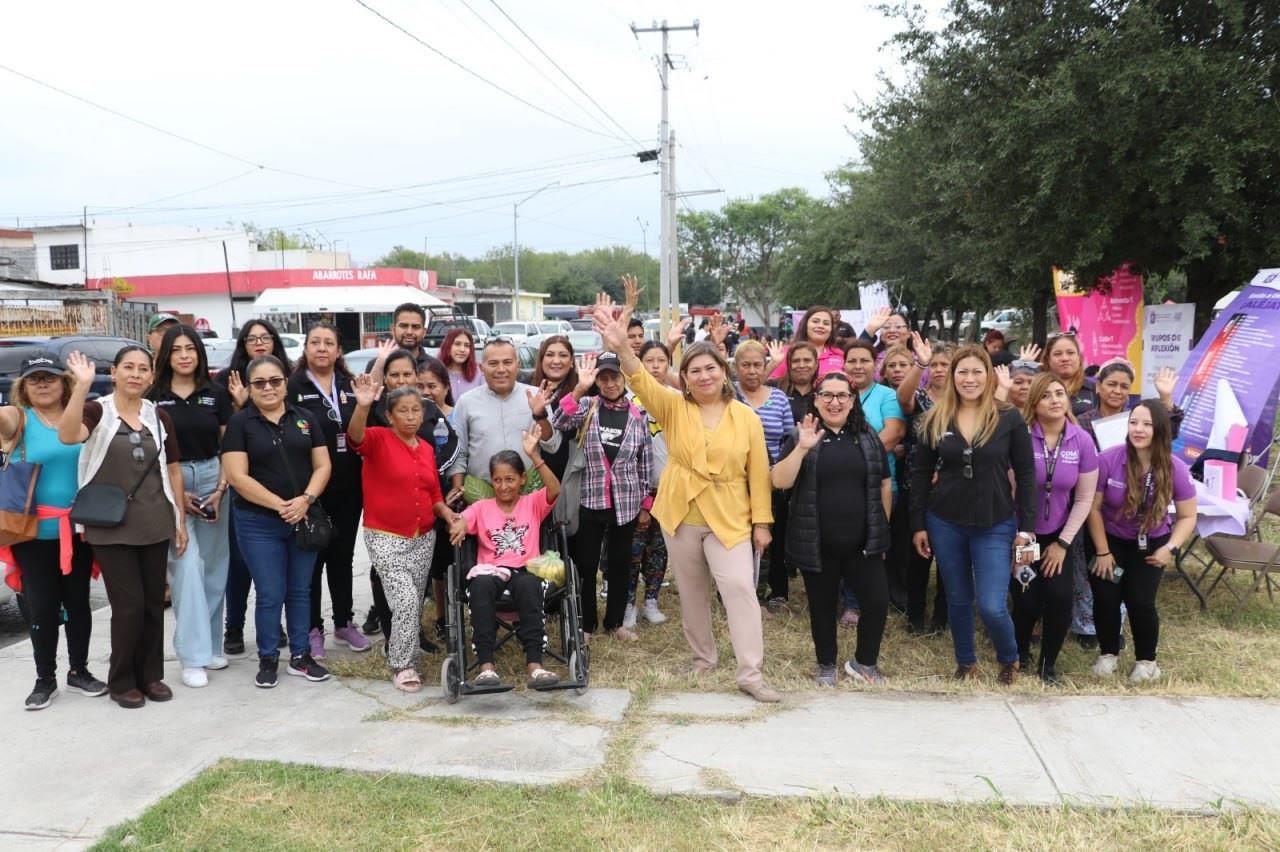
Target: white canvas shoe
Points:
(1106, 665)
(652, 614)
(1144, 670)
(195, 677)
(629, 616)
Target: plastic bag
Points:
(549, 566)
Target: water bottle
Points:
(441, 433)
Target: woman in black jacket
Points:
(838, 526)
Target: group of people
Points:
(855, 462)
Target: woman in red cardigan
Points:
(402, 501)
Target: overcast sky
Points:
(327, 91)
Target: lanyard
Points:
(1148, 492)
(332, 396)
(1050, 465)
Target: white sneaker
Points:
(194, 677)
(1106, 665)
(1144, 670)
(217, 663)
(652, 614)
(629, 617)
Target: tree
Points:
(277, 239)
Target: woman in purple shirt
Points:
(1130, 529)
(1066, 478)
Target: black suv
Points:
(440, 321)
(101, 350)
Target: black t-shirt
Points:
(249, 432)
(842, 491)
(613, 423)
(333, 424)
(197, 419)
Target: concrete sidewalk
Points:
(84, 764)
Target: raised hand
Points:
(540, 398)
(878, 319)
(366, 390)
(923, 351)
(586, 371)
(1003, 379)
(632, 290)
(81, 368)
(717, 328)
(529, 440)
(1029, 352)
(777, 351)
(613, 330)
(385, 348)
(1166, 381)
(675, 335)
(808, 432)
(235, 387)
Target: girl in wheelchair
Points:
(506, 527)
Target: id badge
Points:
(342, 445)
(1142, 541)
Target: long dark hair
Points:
(339, 365)
(784, 381)
(857, 421)
(470, 366)
(240, 358)
(437, 369)
(1161, 469)
(570, 380)
(802, 330)
(163, 382)
(399, 355)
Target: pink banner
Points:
(1107, 319)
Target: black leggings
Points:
(597, 527)
(897, 561)
(779, 572)
(344, 508)
(1049, 598)
(1137, 590)
(48, 593)
(866, 576)
(526, 592)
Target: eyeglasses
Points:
(262, 384)
(828, 396)
(139, 454)
(255, 339)
(968, 462)
(41, 379)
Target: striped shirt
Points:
(775, 415)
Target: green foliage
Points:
(277, 239)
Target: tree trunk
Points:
(957, 322)
(1040, 313)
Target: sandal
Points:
(407, 680)
(488, 678)
(542, 677)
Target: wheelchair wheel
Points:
(578, 670)
(451, 678)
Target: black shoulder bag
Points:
(104, 505)
(314, 530)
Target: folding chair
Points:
(1251, 553)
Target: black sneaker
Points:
(42, 694)
(233, 642)
(267, 677)
(307, 667)
(1049, 676)
(1087, 641)
(85, 683)
(371, 626)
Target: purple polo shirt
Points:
(1075, 455)
(1111, 482)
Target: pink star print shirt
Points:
(507, 540)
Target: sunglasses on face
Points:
(262, 384)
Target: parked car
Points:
(100, 350)
(293, 344)
(582, 324)
(516, 329)
(357, 360)
(527, 358)
(1003, 320)
(586, 342)
(220, 350)
(439, 324)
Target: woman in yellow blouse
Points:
(713, 500)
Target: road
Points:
(13, 628)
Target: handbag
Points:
(570, 500)
(315, 529)
(18, 521)
(104, 505)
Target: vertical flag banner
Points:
(1107, 318)
(1167, 334)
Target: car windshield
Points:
(510, 328)
(550, 327)
(586, 341)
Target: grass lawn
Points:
(243, 805)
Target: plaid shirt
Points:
(623, 485)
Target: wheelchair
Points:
(560, 608)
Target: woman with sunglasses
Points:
(1066, 478)
(199, 409)
(916, 401)
(258, 337)
(272, 449)
(966, 516)
(1063, 358)
(841, 497)
(1133, 536)
(54, 567)
(458, 354)
(321, 383)
(817, 328)
(130, 443)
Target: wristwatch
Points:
(542, 416)
(311, 498)
(1176, 551)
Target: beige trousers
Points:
(698, 557)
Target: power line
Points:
(566, 74)
(114, 210)
(484, 79)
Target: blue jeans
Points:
(198, 578)
(975, 562)
(281, 574)
(238, 580)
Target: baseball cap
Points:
(608, 361)
(41, 362)
(158, 320)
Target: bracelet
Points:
(1108, 553)
(1065, 545)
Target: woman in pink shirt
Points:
(507, 528)
(816, 327)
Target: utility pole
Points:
(644, 236)
(672, 247)
(515, 244)
(231, 299)
(669, 301)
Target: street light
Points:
(515, 244)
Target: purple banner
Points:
(1242, 347)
